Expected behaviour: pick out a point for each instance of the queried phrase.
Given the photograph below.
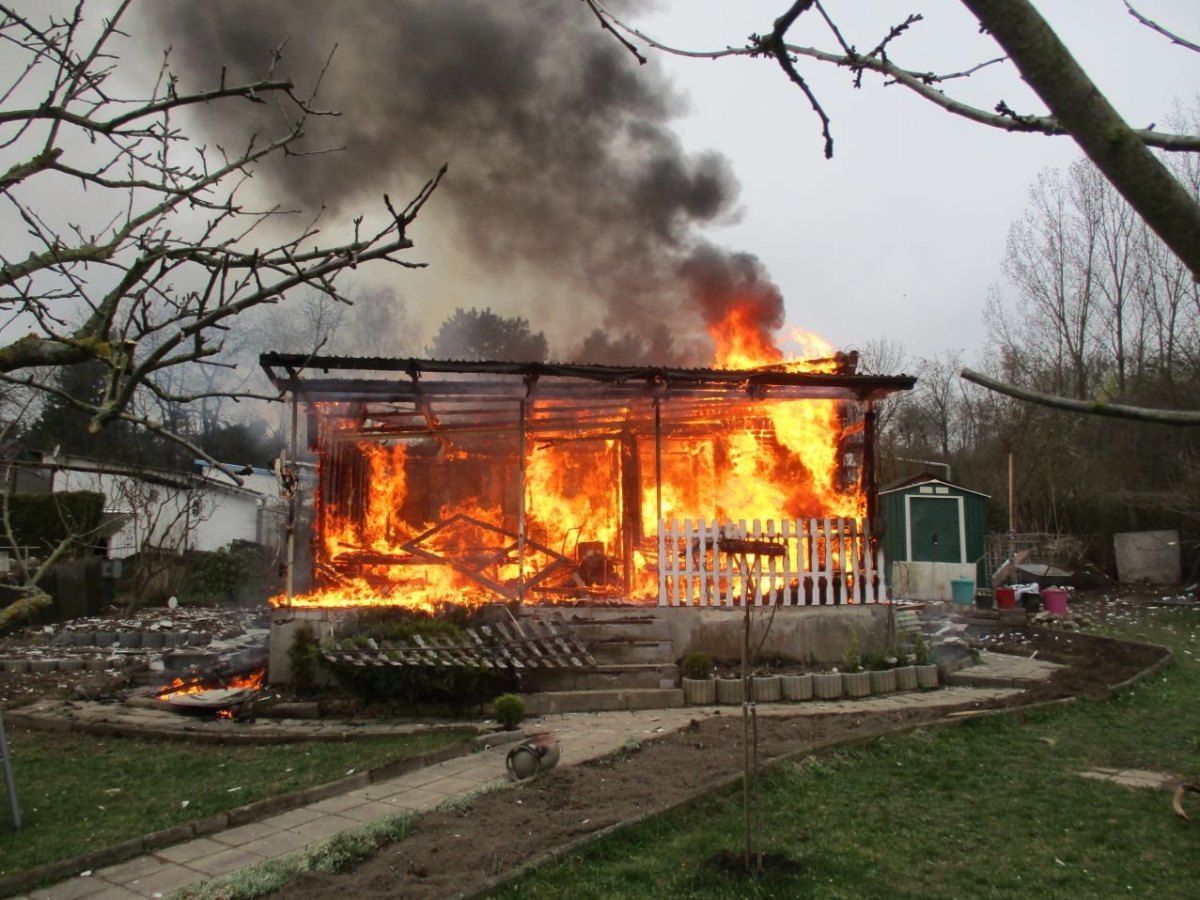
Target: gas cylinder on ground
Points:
(537, 753)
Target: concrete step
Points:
(1003, 670)
(987, 679)
(1012, 616)
(621, 677)
(619, 651)
(591, 624)
(600, 700)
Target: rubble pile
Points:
(98, 655)
(1069, 622)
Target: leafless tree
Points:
(883, 356)
(130, 243)
(1052, 260)
(1125, 156)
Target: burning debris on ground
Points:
(227, 697)
(106, 656)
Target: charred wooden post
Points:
(293, 505)
(521, 453)
(658, 473)
(631, 507)
(868, 468)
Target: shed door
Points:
(935, 531)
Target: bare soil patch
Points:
(1094, 664)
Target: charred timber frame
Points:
(441, 399)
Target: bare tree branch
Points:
(175, 257)
(1077, 107)
(922, 83)
(1154, 26)
(604, 23)
(774, 44)
(1090, 407)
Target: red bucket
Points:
(1006, 598)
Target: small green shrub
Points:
(921, 654)
(222, 576)
(509, 710)
(877, 661)
(404, 624)
(697, 665)
(852, 655)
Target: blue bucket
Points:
(963, 590)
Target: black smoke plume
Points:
(565, 178)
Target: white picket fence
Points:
(802, 562)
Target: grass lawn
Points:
(993, 808)
(81, 793)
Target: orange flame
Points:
(408, 538)
(180, 687)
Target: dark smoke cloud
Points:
(562, 159)
(718, 278)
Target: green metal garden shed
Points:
(939, 526)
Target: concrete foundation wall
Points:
(801, 633)
(284, 623)
(926, 580)
(818, 634)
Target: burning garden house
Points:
(545, 485)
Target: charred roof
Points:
(409, 396)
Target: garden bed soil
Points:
(462, 851)
(1094, 664)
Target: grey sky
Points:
(901, 234)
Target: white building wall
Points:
(206, 516)
(226, 517)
